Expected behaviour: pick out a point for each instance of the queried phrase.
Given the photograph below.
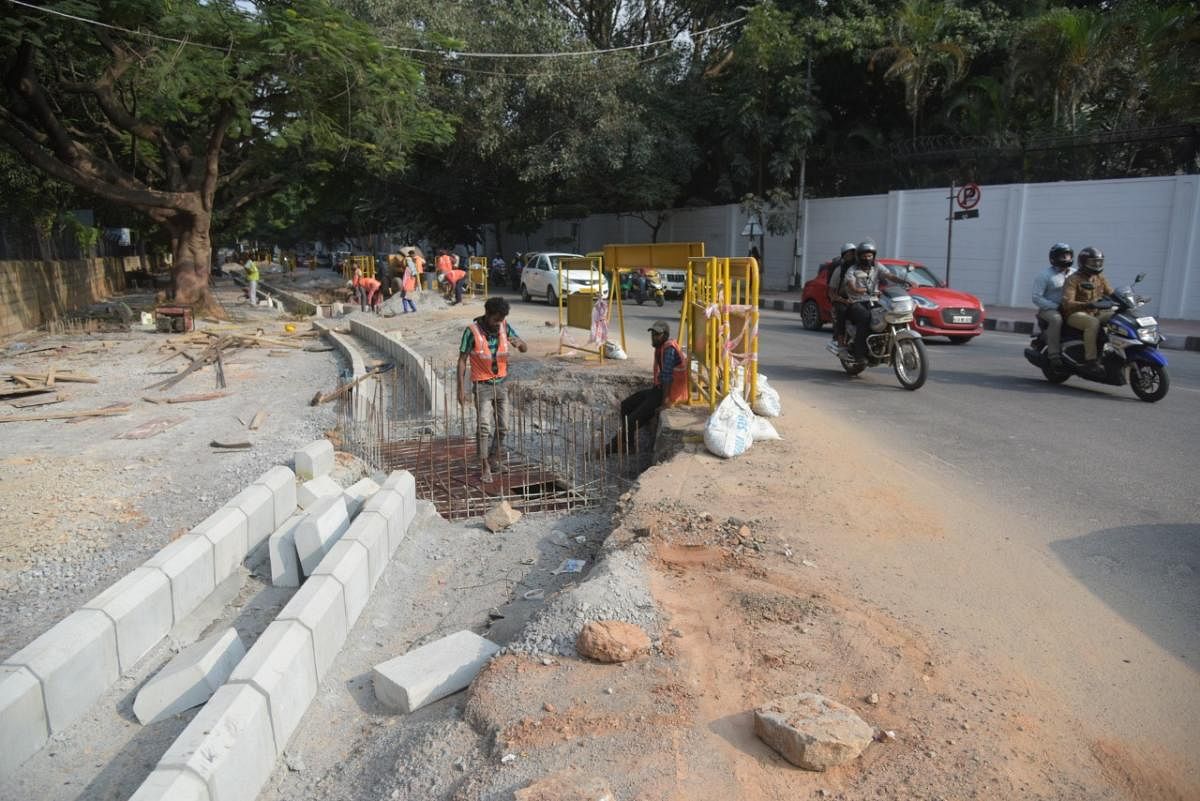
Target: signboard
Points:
(969, 214)
(968, 196)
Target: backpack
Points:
(835, 286)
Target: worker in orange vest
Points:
(369, 292)
(484, 351)
(670, 387)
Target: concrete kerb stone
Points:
(402, 481)
(431, 672)
(404, 357)
(172, 784)
(315, 489)
(349, 563)
(258, 504)
(320, 607)
(320, 529)
(23, 726)
(228, 531)
(190, 678)
(75, 661)
(282, 665)
(188, 563)
(371, 529)
(389, 505)
(282, 484)
(229, 744)
(281, 547)
(358, 493)
(314, 460)
(140, 608)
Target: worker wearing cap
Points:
(670, 387)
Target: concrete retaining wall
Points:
(406, 360)
(53, 681)
(229, 750)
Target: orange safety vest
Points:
(454, 276)
(443, 264)
(678, 391)
(481, 357)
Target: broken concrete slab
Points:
(281, 664)
(358, 493)
(314, 459)
(282, 484)
(312, 491)
(172, 784)
(319, 605)
(258, 504)
(349, 563)
(371, 531)
(188, 563)
(811, 731)
(229, 744)
(431, 672)
(190, 678)
(139, 605)
(23, 726)
(281, 547)
(320, 530)
(389, 505)
(226, 529)
(75, 661)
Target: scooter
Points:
(892, 341)
(1127, 349)
(653, 288)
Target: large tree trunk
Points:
(191, 264)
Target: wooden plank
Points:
(108, 411)
(50, 377)
(240, 445)
(20, 379)
(38, 400)
(17, 392)
(151, 428)
(76, 378)
(259, 417)
(318, 399)
(201, 396)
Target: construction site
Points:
(218, 585)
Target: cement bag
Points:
(727, 432)
(762, 430)
(767, 403)
(613, 351)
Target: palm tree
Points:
(920, 50)
(1077, 49)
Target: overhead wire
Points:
(111, 27)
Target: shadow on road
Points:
(1149, 575)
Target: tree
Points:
(207, 109)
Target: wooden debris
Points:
(259, 417)
(41, 378)
(50, 377)
(40, 399)
(319, 398)
(151, 428)
(108, 411)
(230, 445)
(23, 380)
(201, 396)
(36, 350)
(319, 348)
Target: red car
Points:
(941, 311)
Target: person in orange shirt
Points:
(368, 291)
(443, 263)
(456, 282)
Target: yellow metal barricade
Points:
(719, 327)
(585, 308)
(364, 263)
(477, 276)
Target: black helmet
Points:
(1062, 254)
(1091, 260)
(849, 247)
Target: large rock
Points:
(500, 517)
(567, 785)
(612, 641)
(812, 731)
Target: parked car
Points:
(941, 311)
(539, 279)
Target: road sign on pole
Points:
(968, 196)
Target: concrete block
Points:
(139, 605)
(172, 784)
(226, 529)
(258, 504)
(312, 491)
(371, 531)
(324, 525)
(349, 564)
(319, 605)
(431, 672)
(228, 744)
(188, 563)
(358, 493)
(281, 664)
(190, 678)
(282, 484)
(390, 506)
(285, 562)
(76, 661)
(23, 726)
(314, 459)
(402, 481)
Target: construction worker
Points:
(484, 350)
(252, 280)
(670, 387)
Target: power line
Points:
(129, 31)
(581, 71)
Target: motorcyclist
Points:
(1047, 296)
(837, 273)
(1081, 293)
(859, 286)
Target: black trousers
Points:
(839, 321)
(636, 412)
(860, 315)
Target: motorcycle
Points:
(892, 341)
(1127, 349)
(653, 288)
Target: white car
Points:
(539, 279)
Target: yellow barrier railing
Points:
(577, 309)
(719, 326)
(477, 275)
(364, 263)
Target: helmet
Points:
(865, 247)
(1091, 260)
(1062, 254)
(849, 247)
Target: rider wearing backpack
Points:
(837, 297)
